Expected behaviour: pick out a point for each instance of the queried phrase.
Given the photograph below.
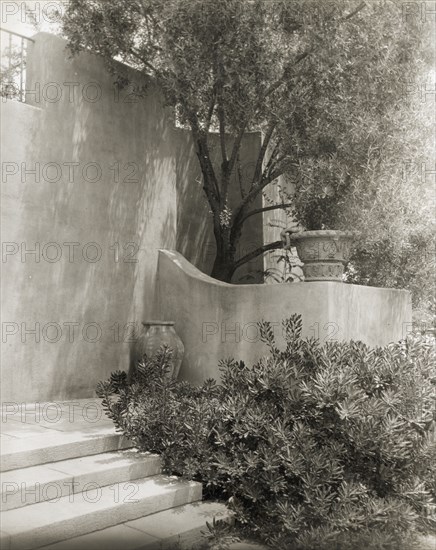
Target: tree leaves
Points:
(328, 77)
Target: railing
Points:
(13, 64)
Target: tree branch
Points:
(221, 118)
(256, 190)
(263, 149)
(274, 167)
(213, 194)
(240, 178)
(206, 164)
(211, 109)
(353, 13)
(255, 253)
(236, 146)
(238, 214)
(224, 160)
(140, 58)
(275, 85)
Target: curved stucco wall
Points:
(216, 320)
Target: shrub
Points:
(162, 415)
(325, 447)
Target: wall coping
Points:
(193, 272)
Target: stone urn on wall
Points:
(156, 334)
(324, 253)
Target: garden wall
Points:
(94, 182)
(216, 320)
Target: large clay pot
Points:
(324, 253)
(155, 334)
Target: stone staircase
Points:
(75, 483)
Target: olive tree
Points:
(315, 77)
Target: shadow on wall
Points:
(117, 183)
(106, 215)
(135, 215)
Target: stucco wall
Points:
(111, 171)
(217, 320)
(94, 183)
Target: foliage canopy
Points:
(328, 83)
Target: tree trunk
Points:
(223, 267)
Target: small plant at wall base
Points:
(313, 447)
(320, 80)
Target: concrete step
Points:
(179, 527)
(35, 484)
(53, 446)
(70, 516)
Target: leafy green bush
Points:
(325, 447)
(162, 415)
